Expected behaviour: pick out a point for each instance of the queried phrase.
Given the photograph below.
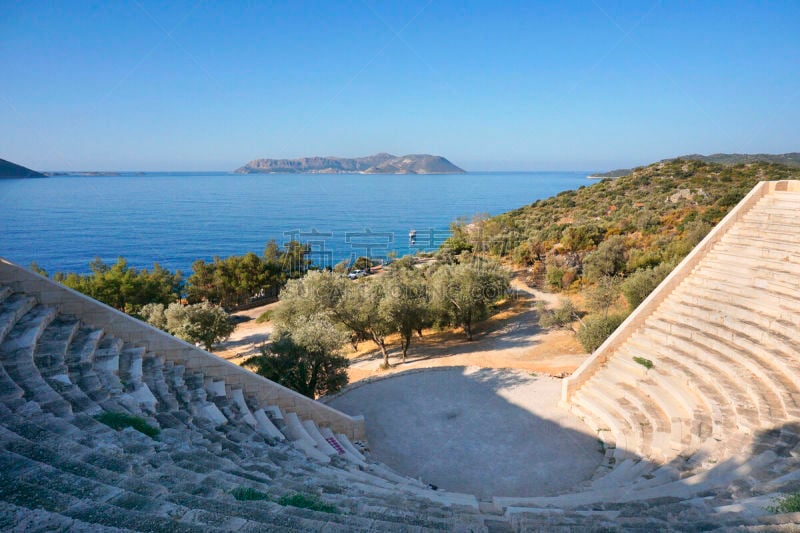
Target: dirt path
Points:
(509, 339)
(248, 337)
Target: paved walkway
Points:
(476, 430)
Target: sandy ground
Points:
(509, 339)
(248, 337)
(476, 430)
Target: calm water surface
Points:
(64, 222)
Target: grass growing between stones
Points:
(122, 420)
(786, 504)
(246, 494)
(306, 501)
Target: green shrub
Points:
(642, 282)
(561, 317)
(246, 494)
(555, 276)
(123, 420)
(596, 329)
(606, 260)
(266, 316)
(786, 504)
(307, 501)
(647, 363)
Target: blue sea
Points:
(64, 222)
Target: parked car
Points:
(355, 274)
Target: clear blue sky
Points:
(588, 85)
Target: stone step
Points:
(153, 377)
(28, 328)
(698, 350)
(720, 406)
(668, 390)
(51, 349)
(758, 314)
(695, 399)
(19, 377)
(345, 442)
(755, 364)
(670, 419)
(266, 426)
(631, 421)
(764, 280)
(130, 366)
(626, 443)
(774, 269)
(627, 472)
(782, 212)
(5, 292)
(753, 246)
(17, 518)
(773, 304)
(105, 363)
(322, 445)
(341, 449)
(13, 308)
(296, 431)
(237, 396)
(215, 388)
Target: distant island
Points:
(791, 160)
(13, 170)
(375, 164)
(618, 173)
(89, 173)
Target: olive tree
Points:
(463, 294)
(405, 303)
(202, 323)
(305, 358)
(353, 305)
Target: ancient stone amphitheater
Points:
(701, 440)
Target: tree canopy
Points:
(202, 323)
(124, 287)
(305, 358)
(463, 293)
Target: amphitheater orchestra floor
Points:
(481, 431)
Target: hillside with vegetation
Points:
(791, 159)
(613, 239)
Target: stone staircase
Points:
(702, 440)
